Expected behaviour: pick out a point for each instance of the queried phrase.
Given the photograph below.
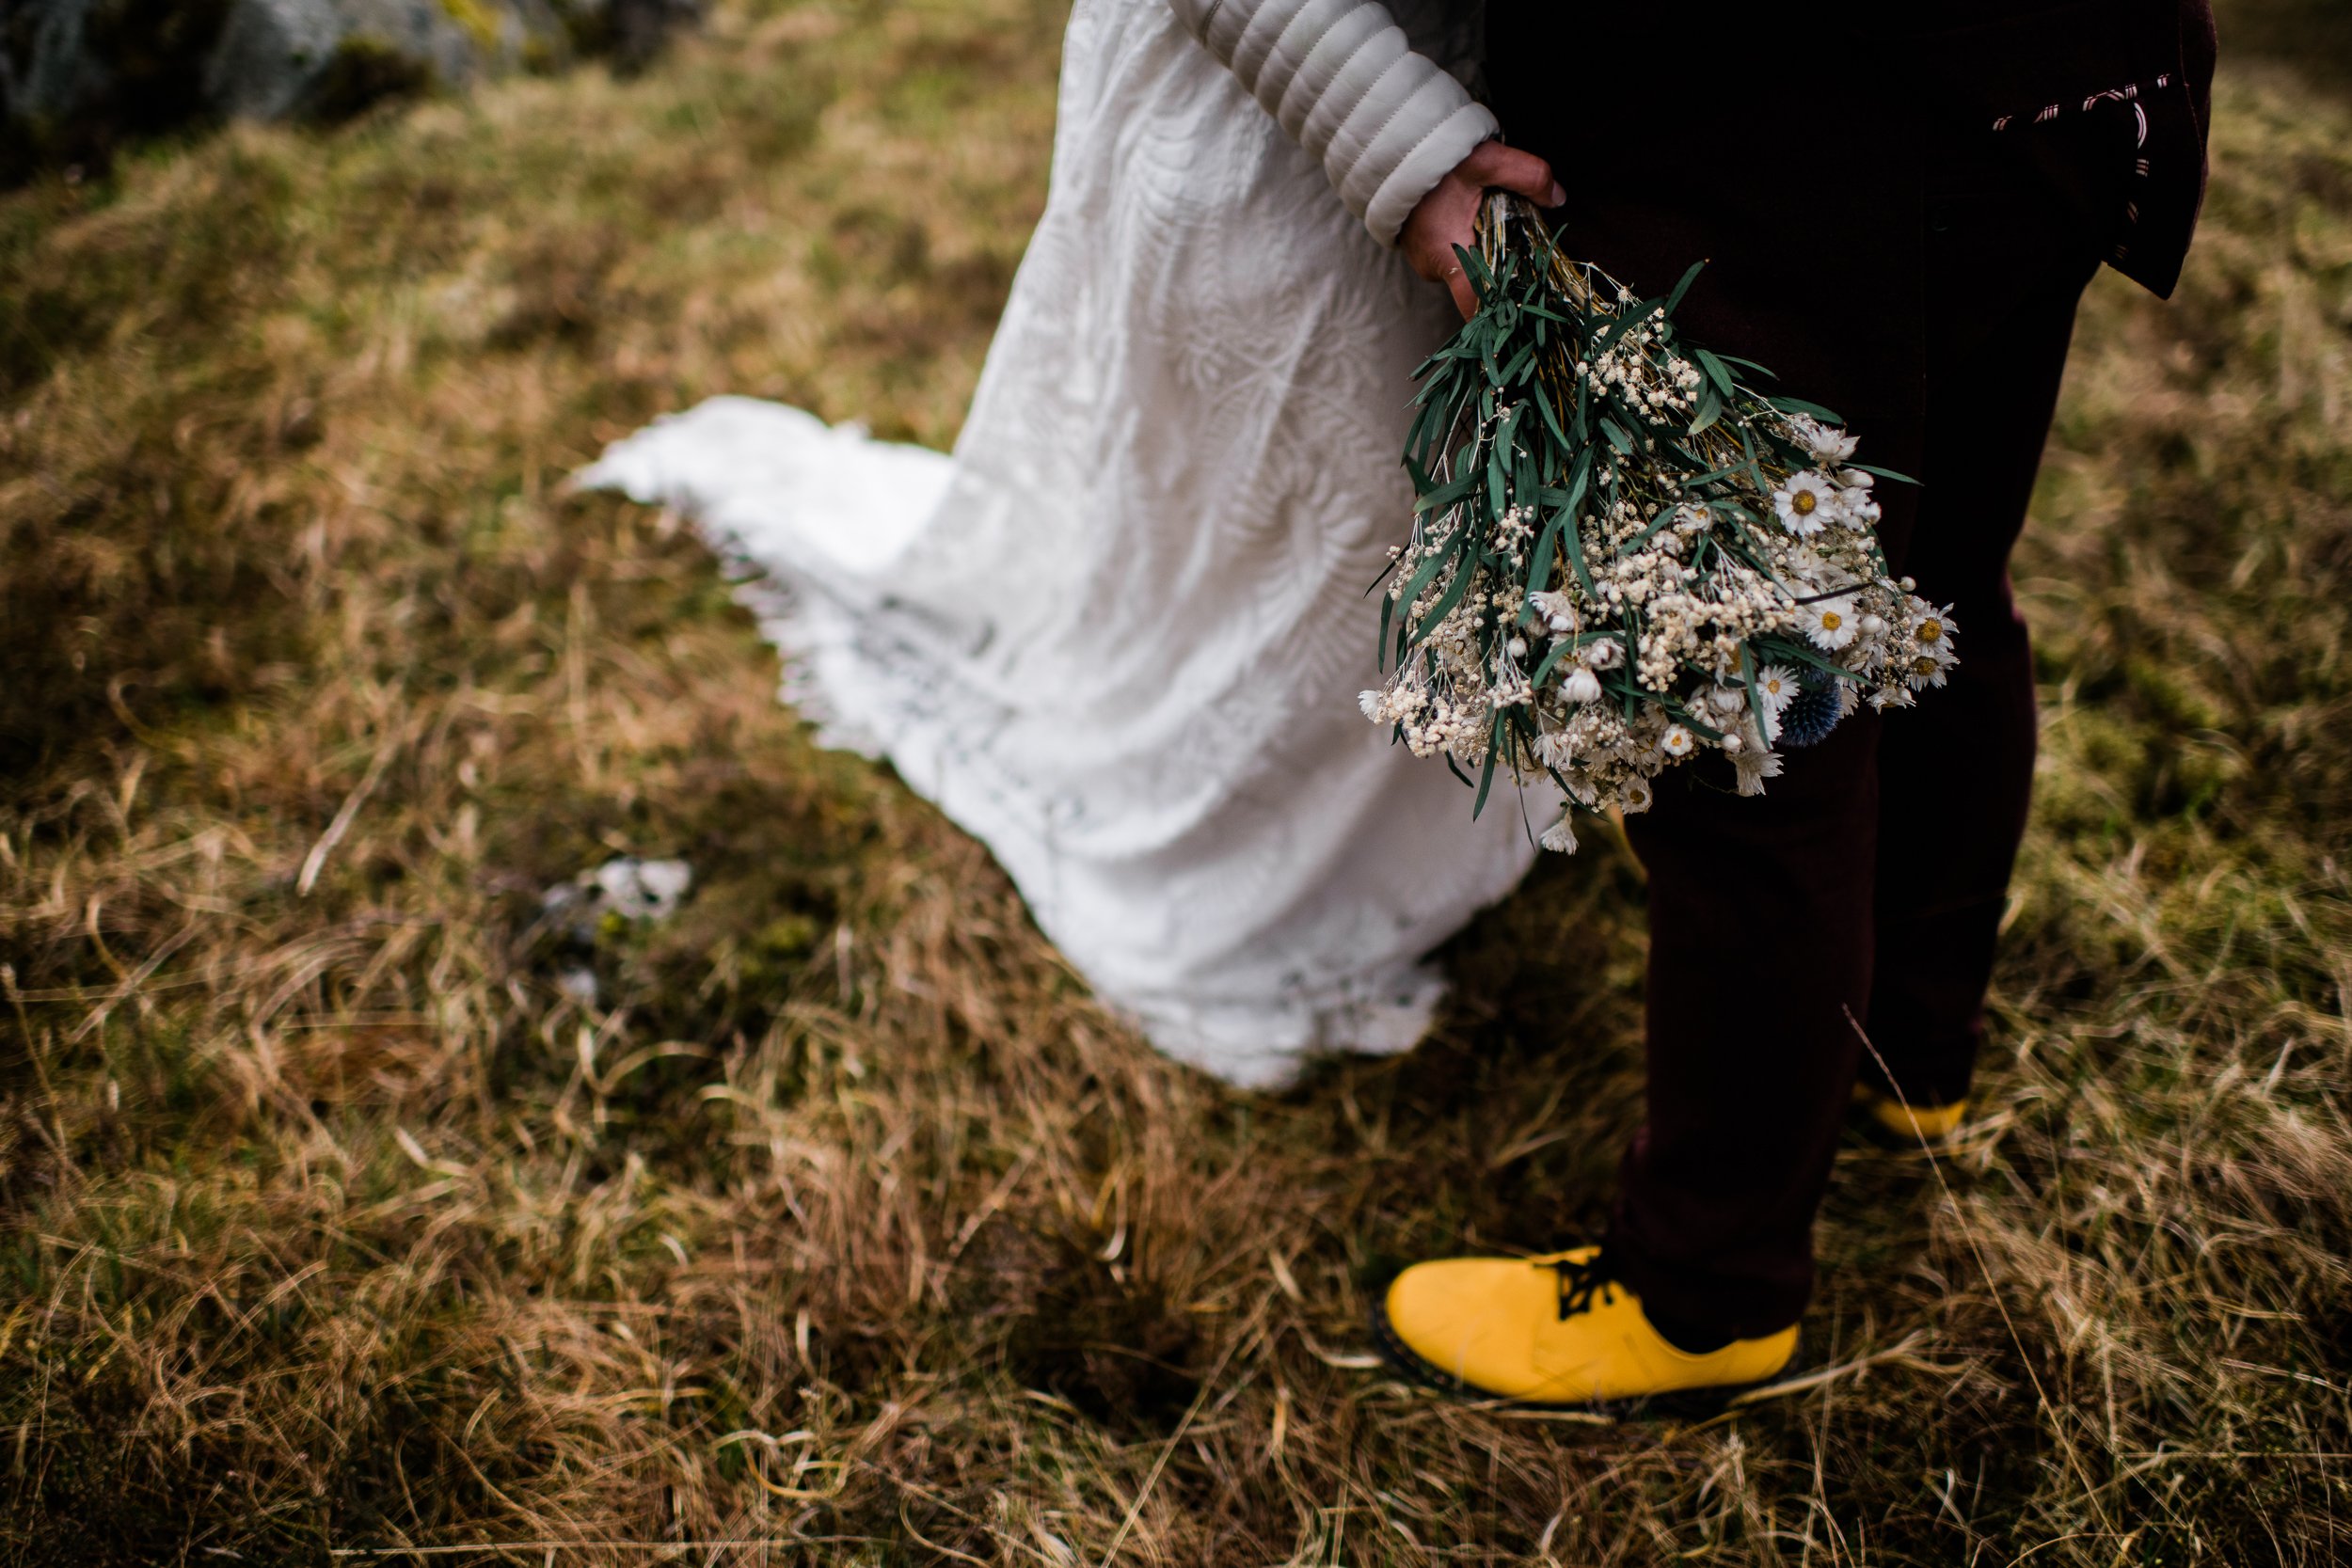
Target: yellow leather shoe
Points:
(1558, 1331)
(1889, 1121)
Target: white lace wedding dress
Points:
(1119, 634)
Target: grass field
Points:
(331, 1223)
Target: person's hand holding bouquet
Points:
(1447, 218)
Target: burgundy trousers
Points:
(1859, 898)
(1917, 271)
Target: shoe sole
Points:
(1881, 1136)
(1684, 1405)
(1872, 1130)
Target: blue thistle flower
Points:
(1812, 713)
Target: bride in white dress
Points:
(1118, 636)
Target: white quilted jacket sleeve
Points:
(1388, 124)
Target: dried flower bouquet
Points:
(1623, 553)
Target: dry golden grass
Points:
(850, 1229)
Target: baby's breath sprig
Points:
(1623, 553)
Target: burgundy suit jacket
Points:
(2145, 63)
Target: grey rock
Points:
(45, 70)
(278, 59)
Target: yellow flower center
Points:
(1802, 503)
(1930, 630)
(1830, 620)
(1923, 666)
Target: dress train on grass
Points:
(1119, 635)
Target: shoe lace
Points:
(1581, 1281)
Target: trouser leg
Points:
(1759, 918)
(1867, 884)
(1955, 776)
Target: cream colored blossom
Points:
(1806, 504)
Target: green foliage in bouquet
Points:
(1623, 553)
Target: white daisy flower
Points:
(1856, 505)
(1829, 624)
(1775, 688)
(1826, 442)
(1806, 504)
(1926, 670)
(1561, 836)
(1677, 742)
(1935, 630)
(1634, 797)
